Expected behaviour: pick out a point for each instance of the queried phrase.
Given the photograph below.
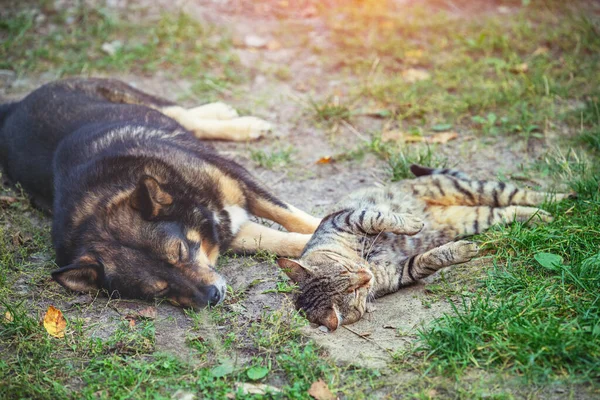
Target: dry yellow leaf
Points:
(325, 160)
(54, 322)
(441, 137)
(320, 391)
(541, 50)
(414, 139)
(414, 75)
(8, 317)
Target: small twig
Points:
(369, 340)
(355, 131)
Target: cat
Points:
(382, 239)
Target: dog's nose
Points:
(213, 295)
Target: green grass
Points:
(478, 79)
(277, 158)
(70, 42)
(537, 321)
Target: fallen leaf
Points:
(540, 51)
(442, 137)
(8, 317)
(54, 322)
(365, 334)
(273, 45)
(320, 391)
(414, 75)
(247, 388)
(414, 139)
(325, 160)
(413, 56)
(519, 68)
(131, 323)
(392, 136)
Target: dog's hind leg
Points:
(253, 237)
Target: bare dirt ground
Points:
(303, 182)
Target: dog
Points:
(141, 207)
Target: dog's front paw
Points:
(216, 110)
(252, 128)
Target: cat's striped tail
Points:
(419, 170)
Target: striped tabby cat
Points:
(382, 239)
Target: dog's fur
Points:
(141, 207)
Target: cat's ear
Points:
(359, 279)
(331, 320)
(293, 269)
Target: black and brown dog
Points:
(141, 207)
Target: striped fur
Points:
(382, 239)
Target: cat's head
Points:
(330, 293)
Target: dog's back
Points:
(32, 129)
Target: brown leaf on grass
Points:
(519, 68)
(145, 313)
(441, 137)
(414, 75)
(320, 391)
(54, 322)
(392, 136)
(438, 138)
(540, 51)
(325, 160)
(131, 323)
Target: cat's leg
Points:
(466, 220)
(371, 221)
(423, 265)
(253, 237)
(448, 190)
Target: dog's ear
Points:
(79, 277)
(294, 270)
(149, 198)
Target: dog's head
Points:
(152, 242)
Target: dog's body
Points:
(141, 207)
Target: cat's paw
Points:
(465, 250)
(407, 225)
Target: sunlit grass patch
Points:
(432, 65)
(86, 40)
